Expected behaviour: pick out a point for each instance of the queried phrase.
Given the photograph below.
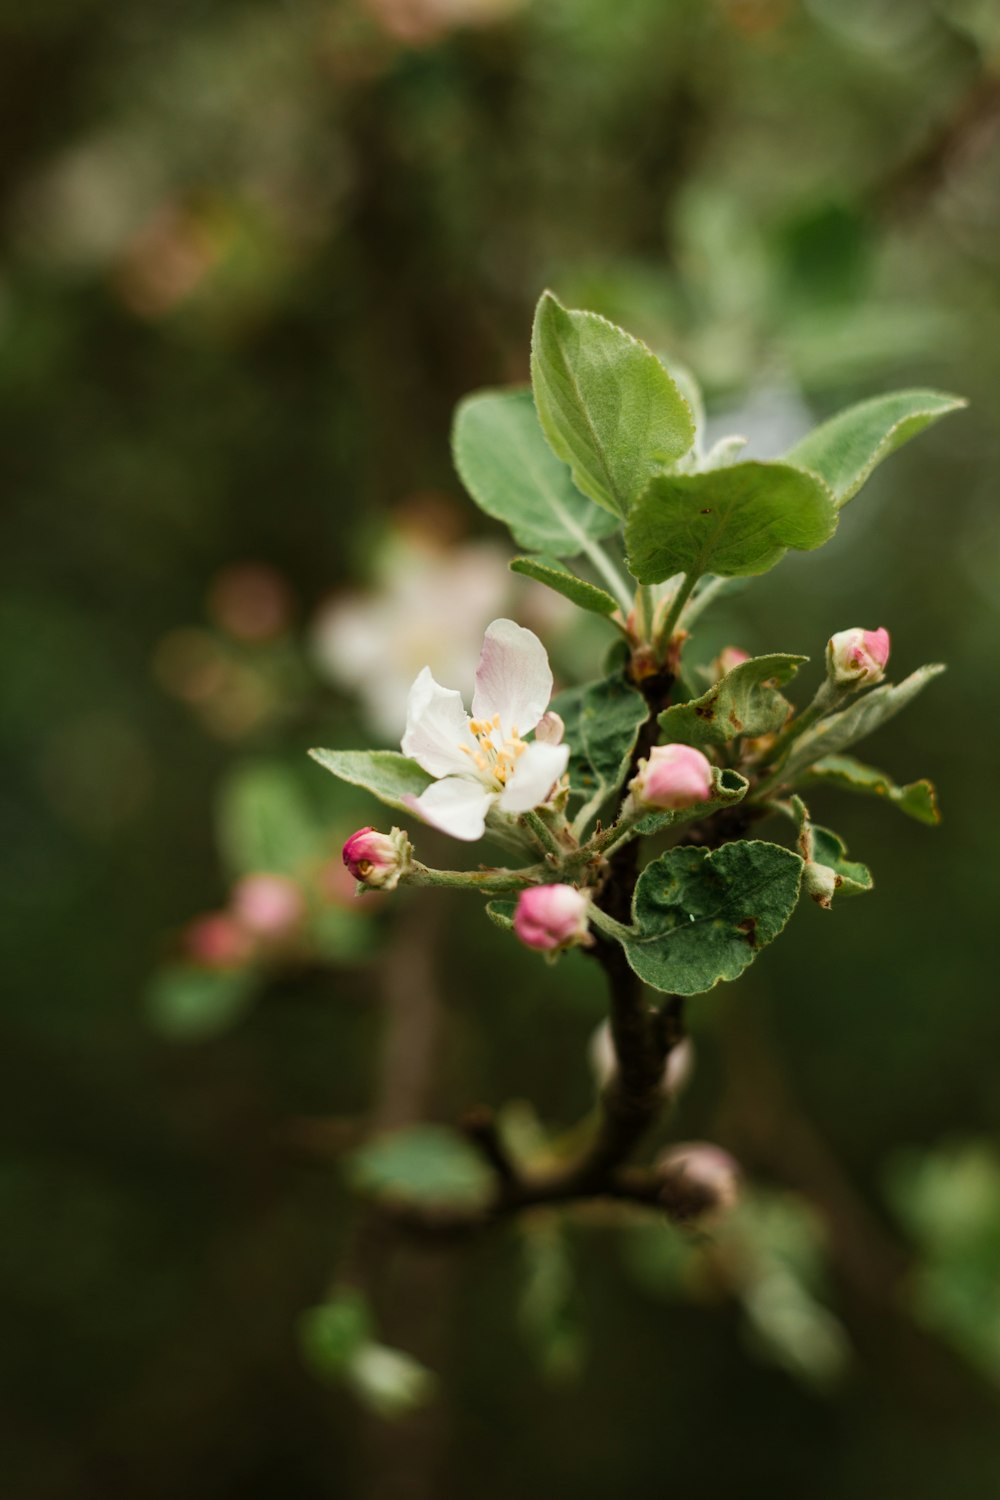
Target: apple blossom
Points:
(728, 658)
(856, 657)
(378, 860)
(483, 761)
(550, 918)
(673, 777)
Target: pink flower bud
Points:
(268, 906)
(378, 860)
(857, 658)
(728, 658)
(217, 941)
(674, 777)
(550, 918)
(700, 1183)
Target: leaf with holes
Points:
(746, 701)
(736, 521)
(846, 449)
(863, 717)
(918, 799)
(703, 917)
(512, 474)
(606, 404)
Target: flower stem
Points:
(608, 924)
(487, 882)
(614, 580)
(544, 834)
(673, 614)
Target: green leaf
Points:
(388, 775)
(264, 821)
(864, 716)
(746, 701)
(606, 404)
(546, 570)
(502, 914)
(704, 916)
(829, 850)
(422, 1164)
(602, 723)
(188, 1003)
(728, 788)
(510, 471)
(846, 449)
(332, 1334)
(918, 799)
(735, 521)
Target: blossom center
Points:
(497, 755)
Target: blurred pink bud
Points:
(217, 941)
(550, 729)
(700, 1183)
(378, 860)
(550, 918)
(728, 658)
(674, 777)
(269, 906)
(857, 658)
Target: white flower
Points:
(484, 760)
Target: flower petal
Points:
(536, 770)
(436, 725)
(513, 678)
(457, 805)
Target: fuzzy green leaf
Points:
(388, 775)
(735, 521)
(918, 799)
(188, 1003)
(606, 404)
(704, 916)
(865, 715)
(602, 722)
(846, 449)
(851, 878)
(424, 1164)
(502, 914)
(746, 701)
(510, 471)
(546, 570)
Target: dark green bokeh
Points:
(254, 256)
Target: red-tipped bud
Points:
(550, 918)
(674, 777)
(268, 906)
(700, 1183)
(378, 860)
(857, 658)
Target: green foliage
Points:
(918, 799)
(829, 850)
(602, 724)
(332, 1335)
(703, 917)
(422, 1164)
(265, 821)
(547, 1313)
(388, 775)
(863, 716)
(735, 521)
(337, 1342)
(745, 701)
(606, 404)
(845, 450)
(728, 788)
(189, 1003)
(550, 572)
(512, 474)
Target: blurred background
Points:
(253, 255)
